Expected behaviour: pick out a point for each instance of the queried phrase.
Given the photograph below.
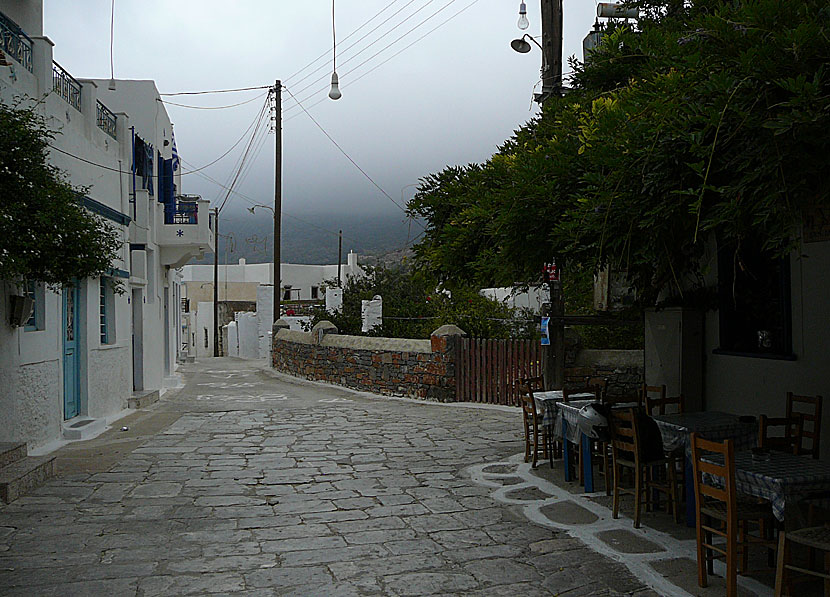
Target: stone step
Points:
(143, 399)
(11, 452)
(19, 478)
(85, 428)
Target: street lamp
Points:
(522, 47)
(277, 272)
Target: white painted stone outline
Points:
(637, 563)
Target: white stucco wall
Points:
(248, 335)
(531, 299)
(264, 316)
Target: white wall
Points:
(531, 299)
(248, 335)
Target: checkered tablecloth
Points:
(547, 402)
(712, 425)
(782, 480)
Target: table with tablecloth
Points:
(716, 426)
(783, 479)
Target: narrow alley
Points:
(248, 484)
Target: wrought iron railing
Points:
(66, 86)
(181, 212)
(15, 43)
(106, 120)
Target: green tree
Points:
(708, 122)
(413, 307)
(45, 234)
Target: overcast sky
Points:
(451, 98)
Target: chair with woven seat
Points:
(532, 420)
(720, 511)
(809, 407)
(628, 452)
(815, 538)
(790, 438)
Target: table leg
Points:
(587, 465)
(566, 451)
(550, 444)
(690, 491)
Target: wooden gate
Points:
(489, 370)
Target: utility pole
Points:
(339, 257)
(277, 196)
(216, 284)
(551, 49)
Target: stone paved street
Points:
(242, 483)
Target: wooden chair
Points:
(809, 407)
(657, 406)
(721, 512)
(815, 538)
(627, 453)
(653, 392)
(790, 438)
(568, 393)
(532, 420)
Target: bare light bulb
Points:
(523, 22)
(335, 87)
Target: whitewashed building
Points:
(77, 361)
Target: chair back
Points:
(601, 384)
(809, 407)
(625, 434)
(706, 492)
(657, 406)
(791, 435)
(653, 392)
(529, 411)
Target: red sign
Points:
(551, 272)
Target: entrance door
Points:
(71, 356)
(138, 339)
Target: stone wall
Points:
(624, 369)
(391, 366)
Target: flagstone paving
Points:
(242, 483)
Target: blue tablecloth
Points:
(712, 425)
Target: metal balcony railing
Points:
(15, 43)
(181, 212)
(106, 120)
(66, 86)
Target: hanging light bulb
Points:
(335, 87)
(523, 22)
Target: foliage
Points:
(711, 122)
(45, 234)
(413, 308)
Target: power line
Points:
(218, 90)
(378, 40)
(348, 157)
(248, 101)
(385, 61)
(325, 53)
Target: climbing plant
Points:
(45, 234)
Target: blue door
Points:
(71, 358)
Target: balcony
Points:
(66, 86)
(185, 229)
(105, 120)
(15, 43)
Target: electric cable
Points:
(248, 101)
(376, 41)
(218, 90)
(382, 63)
(348, 157)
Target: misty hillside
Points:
(311, 238)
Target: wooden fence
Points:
(489, 370)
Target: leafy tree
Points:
(413, 308)
(710, 122)
(45, 234)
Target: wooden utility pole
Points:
(216, 283)
(277, 196)
(551, 48)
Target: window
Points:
(286, 293)
(315, 293)
(754, 303)
(36, 292)
(106, 311)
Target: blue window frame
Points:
(105, 311)
(35, 291)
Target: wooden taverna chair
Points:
(534, 430)
(809, 407)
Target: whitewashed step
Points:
(83, 428)
(143, 399)
(20, 477)
(12, 452)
